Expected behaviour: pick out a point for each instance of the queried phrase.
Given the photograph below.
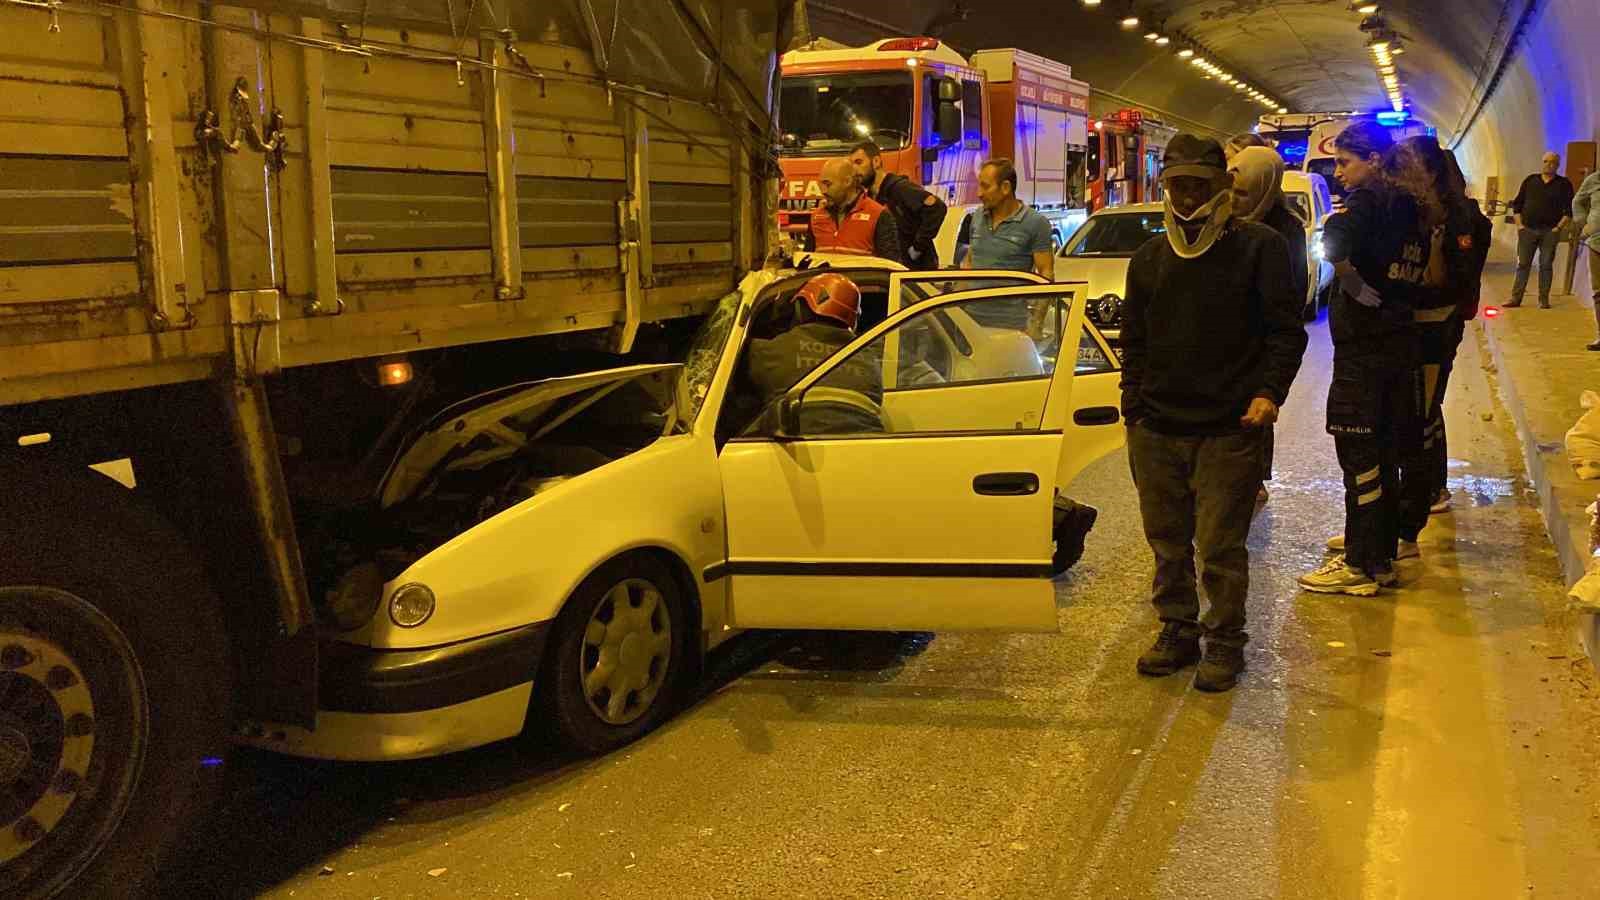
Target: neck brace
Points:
(1216, 213)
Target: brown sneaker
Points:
(1176, 647)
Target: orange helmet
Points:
(834, 297)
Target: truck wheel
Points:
(114, 686)
(618, 655)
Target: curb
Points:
(1572, 548)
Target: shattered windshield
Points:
(832, 113)
(700, 366)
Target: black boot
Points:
(1177, 647)
(1219, 671)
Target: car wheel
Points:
(618, 656)
(1072, 523)
(114, 688)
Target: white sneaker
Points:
(1337, 578)
(1408, 550)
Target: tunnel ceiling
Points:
(1310, 54)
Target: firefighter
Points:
(850, 221)
(847, 399)
(1380, 255)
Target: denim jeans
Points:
(1197, 495)
(1543, 240)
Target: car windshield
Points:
(705, 351)
(1116, 234)
(832, 113)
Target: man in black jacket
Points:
(1543, 208)
(919, 214)
(1212, 340)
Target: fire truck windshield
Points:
(823, 114)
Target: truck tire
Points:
(618, 657)
(114, 686)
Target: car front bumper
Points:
(377, 704)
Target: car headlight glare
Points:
(411, 605)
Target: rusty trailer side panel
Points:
(191, 191)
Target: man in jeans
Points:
(1586, 212)
(1212, 339)
(1542, 208)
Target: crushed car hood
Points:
(497, 424)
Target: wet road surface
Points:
(1437, 741)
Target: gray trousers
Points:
(1530, 240)
(1197, 496)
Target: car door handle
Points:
(1006, 484)
(1097, 415)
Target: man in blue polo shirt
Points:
(1007, 234)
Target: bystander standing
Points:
(1212, 340)
(1543, 208)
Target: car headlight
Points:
(411, 605)
(1106, 311)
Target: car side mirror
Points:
(789, 416)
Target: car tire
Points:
(648, 655)
(1072, 523)
(126, 660)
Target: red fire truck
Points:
(1125, 158)
(936, 116)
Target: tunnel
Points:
(1502, 81)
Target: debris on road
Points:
(564, 807)
(326, 870)
(435, 873)
(1336, 644)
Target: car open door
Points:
(1095, 427)
(927, 507)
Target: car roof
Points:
(1131, 208)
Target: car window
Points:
(914, 291)
(1116, 234)
(916, 379)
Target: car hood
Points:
(1105, 275)
(497, 423)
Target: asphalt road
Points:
(1438, 741)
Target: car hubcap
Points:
(47, 718)
(627, 647)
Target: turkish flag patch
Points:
(1464, 241)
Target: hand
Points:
(913, 253)
(1353, 284)
(1588, 232)
(1262, 412)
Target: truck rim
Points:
(627, 648)
(58, 656)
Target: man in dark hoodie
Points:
(1212, 339)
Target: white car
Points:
(1309, 199)
(563, 553)
(1099, 253)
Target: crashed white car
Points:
(564, 552)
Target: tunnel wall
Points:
(1550, 95)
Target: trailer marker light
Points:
(394, 372)
(1491, 312)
